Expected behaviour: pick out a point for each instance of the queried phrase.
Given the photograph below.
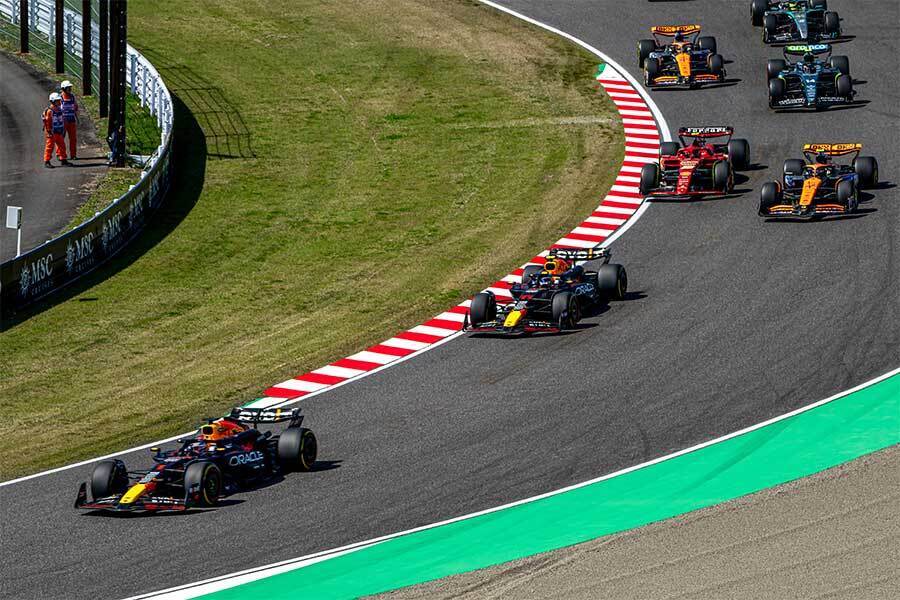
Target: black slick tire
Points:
(207, 476)
(483, 309)
(649, 178)
(612, 281)
(739, 154)
(297, 449)
(564, 309)
(866, 168)
(108, 478)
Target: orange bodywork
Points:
(684, 64)
(810, 187)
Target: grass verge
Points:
(346, 170)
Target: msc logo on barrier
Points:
(35, 277)
(111, 230)
(79, 255)
(136, 211)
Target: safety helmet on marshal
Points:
(55, 97)
(65, 84)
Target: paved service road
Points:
(733, 321)
(48, 197)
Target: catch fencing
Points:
(60, 261)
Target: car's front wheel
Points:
(722, 176)
(108, 478)
(769, 196)
(565, 310)
(846, 195)
(203, 483)
(649, 178)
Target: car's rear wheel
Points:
(565, 310)
(483, 308)
(649, 178)
(669, 148)
(776, 90)
(775, 66)
(832, 23)
(793, 166)
(769, 196)
(841, 63)
(844, 86)
(722, 176)
(846, 195)
(108, 478)
(297, 449)
(207, 477)
(708, 42)
(612, 281)
(757, 11)
(645, 47)
(739, 153)
(867, 169)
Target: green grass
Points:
(346, 170)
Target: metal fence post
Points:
(86, 47)
(104, 58)
(70, 33)
(23, 26)
(60, 50)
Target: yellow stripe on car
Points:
(512, 318)
(133, 494)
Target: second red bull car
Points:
(551, 297)
(701, 163)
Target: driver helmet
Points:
(555, 267)
(219, 429)
(679, 37)
(822, 158)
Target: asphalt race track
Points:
(48, 198)
(731, 321)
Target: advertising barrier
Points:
(60, 261)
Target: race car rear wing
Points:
(255, 416)
(705, 132)
(801, 49)
(671, 30)
(580, 254)
(833, 149)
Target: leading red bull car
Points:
(701, 163)
(225, 456)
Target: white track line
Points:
(223, 582)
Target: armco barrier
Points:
(62, 260)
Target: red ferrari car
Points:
(702, 163)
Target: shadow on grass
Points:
(189, 172)
(226, 133)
